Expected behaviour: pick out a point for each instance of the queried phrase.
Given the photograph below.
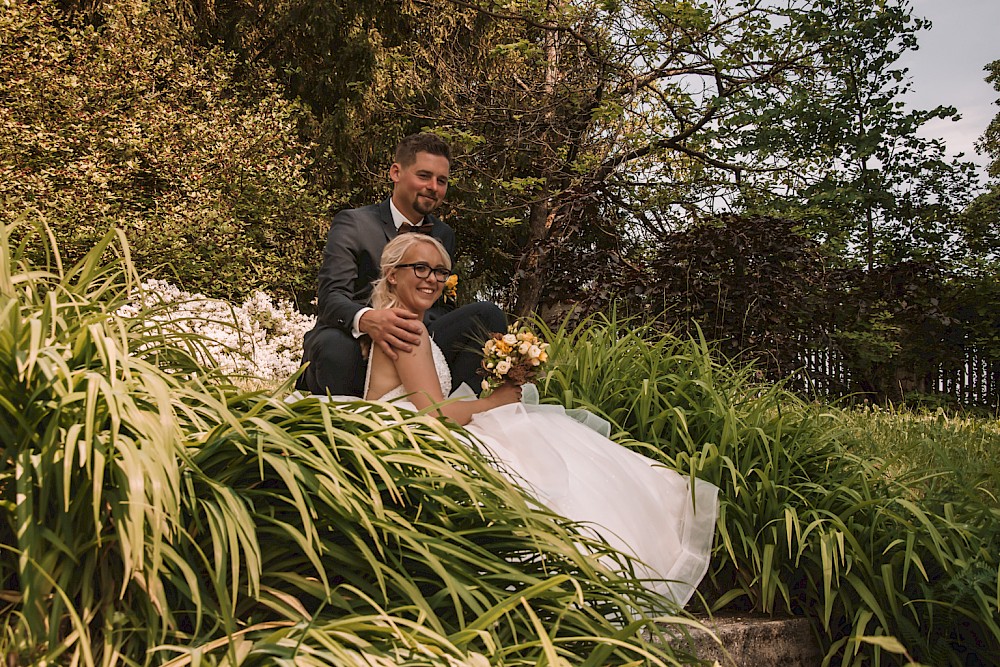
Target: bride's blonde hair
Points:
(392, 257)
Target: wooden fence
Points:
(975, 382)
(972, 381)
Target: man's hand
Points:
(392, 329)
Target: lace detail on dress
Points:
(440, 365)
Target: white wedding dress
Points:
(635, 504)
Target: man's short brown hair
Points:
(421, 142)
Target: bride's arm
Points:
(419, 378)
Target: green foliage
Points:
(979, 228)
(337, 59)
(763, 292)
(557, 111)
(579, 136)
(874, 343)
(126, 122)
(897, 324)
(756, 285)
(806, 526)
(937, 453)
(865, 181)
(152, 512)
(990, 141)
(978, 306)
(151, 506)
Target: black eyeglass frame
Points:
(441, 275)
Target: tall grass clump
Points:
(153, 513)
(806, 526)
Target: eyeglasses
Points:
(422, 271)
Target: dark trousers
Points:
(333, 356)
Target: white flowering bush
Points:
(261, 338)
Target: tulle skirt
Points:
(635, 504)
(566, 461)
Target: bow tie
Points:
(420, 229)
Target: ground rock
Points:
(752, 641)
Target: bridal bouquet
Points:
(517, 356)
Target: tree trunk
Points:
(531, 269)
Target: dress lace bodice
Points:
(440, 366)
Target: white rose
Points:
(485, 385)
(510, 339)
(524, 347)
(503, 367)
(534, 352)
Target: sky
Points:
(948, 69)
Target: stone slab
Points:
(752, 641)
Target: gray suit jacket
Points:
(352, 257)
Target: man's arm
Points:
(347, 263)
(338, 274)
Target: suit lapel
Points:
(385, 217)
(438, 227)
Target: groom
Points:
(351, 261)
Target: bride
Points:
(632, 502)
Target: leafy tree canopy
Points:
(990, 141)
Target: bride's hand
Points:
(505, 394)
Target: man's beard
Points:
(424, 205)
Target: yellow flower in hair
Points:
(450, 293)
